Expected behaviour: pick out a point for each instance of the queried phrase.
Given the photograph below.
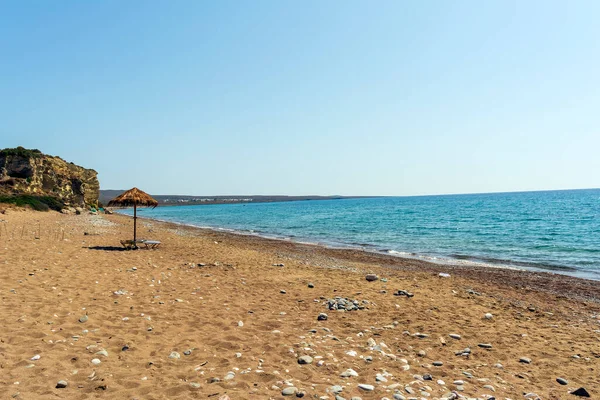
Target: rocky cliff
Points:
(30, 172)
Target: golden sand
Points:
(239, 323)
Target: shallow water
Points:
(556, 231)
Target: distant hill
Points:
(169, 200)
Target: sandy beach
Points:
(217, 315)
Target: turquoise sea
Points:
(557, 231)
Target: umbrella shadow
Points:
(105, 248)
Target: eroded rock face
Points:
(25, 171)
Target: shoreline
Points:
(453, 259)
(576, 288)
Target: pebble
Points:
(348, 373)
(282, 291)
(366, 387)
(240, 323)
(437, 363)
(195, 385)
(230, 376)
(322, 317)
(489, 387)
(455, 336)
(581, 392)
(36, 357)
(485, 345)
(83, 318)
(102, 353)
(427, 377)
(488, 316)
(187, 352)
(443, 275)
(371, 277)
(562, 381)
(96, 361)
(459, 382)
(336, 389)
(289, 391)
(175, 355)
(311, 285)
(525, 360)
(305, 360)
(61, 384)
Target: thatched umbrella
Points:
(136, 198)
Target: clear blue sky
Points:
(308, 97)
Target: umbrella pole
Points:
(134, 224)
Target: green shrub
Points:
(38, 203)
(21, 151)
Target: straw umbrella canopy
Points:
(136, 198)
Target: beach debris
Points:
(525, 360)
(443, 275)
(61, 384)
(240, 323)
(403, 293)
(371, 277)
(562, 381)
(120, 292)
(289, 391)
(305, 360)
(581, 392)
(322, 317)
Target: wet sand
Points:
(212, 314)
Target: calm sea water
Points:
(556, 231)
